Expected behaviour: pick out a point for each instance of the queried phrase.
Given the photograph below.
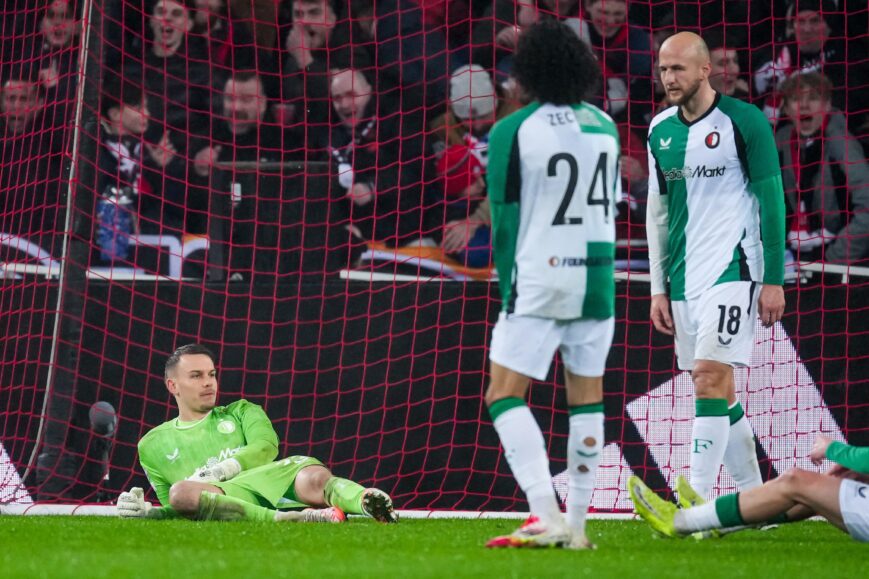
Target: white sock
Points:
(525, 451)
(708, 442)
(695, 519)
(584, 446)
(740, 458)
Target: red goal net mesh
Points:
(300, 185)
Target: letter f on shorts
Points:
(701, 444)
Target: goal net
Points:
(300, 185)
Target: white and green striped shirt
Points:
(553, 183)
(716, 203)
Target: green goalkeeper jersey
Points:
(174, 450)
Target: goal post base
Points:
(57, 509)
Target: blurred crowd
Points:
(392, 101)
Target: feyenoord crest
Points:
(712, 139)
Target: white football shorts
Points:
(526, 344)
(854, 503)
(720, 325)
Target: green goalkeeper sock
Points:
(217, 507)
(344, 494)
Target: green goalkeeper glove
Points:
(132, 504)
(222, 471)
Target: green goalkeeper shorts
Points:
(270, 485)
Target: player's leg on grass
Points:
(652, 508)
(688, 498)
(712, 391)
(207, 502)
(315, 485)
(740, 457)
(796, 514)
(378, 505)
(796, 493)
(584, 445)
(584, 350)
(800, 513)
(525, 451)
(724, 337)
(710, 432)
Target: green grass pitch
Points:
(93, 547)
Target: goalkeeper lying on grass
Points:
(841, 495)
(218, 462)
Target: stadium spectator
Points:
(825, 175)
(215, 21)
(561, 8)
(394, 27)
(705, 15)
(624, 52)
(262, 20)
(176, 79)
(496, 32)
(127, 160)
(659, 94)
(120, 175)
(467, 233)
(460, 143)
(58, 59)
(749, 24)
(475, 104)
(634, 171)
(815, 44)
(453, 18)
(244, 129)
(175, 67)
(377, 163)
(316, 43)
(725, 76)
(230, 43)
(29, 163)
(124, 32)
(22, 105)
(124, 121)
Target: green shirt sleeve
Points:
(158, 481)
(770, 195)
(159, 484)
(755, 143)
(503, 177)
(261, 439)
(855, 458)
